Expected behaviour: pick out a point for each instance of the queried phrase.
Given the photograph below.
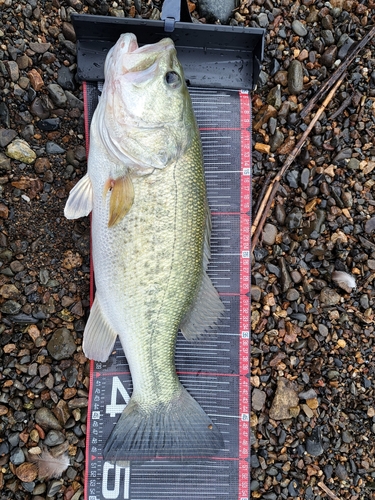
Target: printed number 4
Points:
(114, 408)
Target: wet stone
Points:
(280, 214)
(294, 218)
(57, 95)
(269, 234)
(46, 419)
(329, 56)
(61, 345)
(54, 149)
(329, 297)
(314, 445)
(49, 124)
(276, 140)
(17, 456)
(10, 307)
(20, 150)
(258, 399)
(65, 78)
(295, 77)
(299, 28)
(305, 178)
(353, 164)
(345, 47)
(6, 136)
(341, 472)
(292, 294)
(54, 438)
(285, 398)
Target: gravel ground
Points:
(313, 371)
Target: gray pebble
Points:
(54, 149)
(344, 49)
(7, 136)
(280, 214)
(61, 345)
(258, 399)
(57, 95)
(370, 225)
(294, 218)
(46, 419)
(353, 164)
(295, 77)
(344, 154)
(54, 487)
(314, 443)
(329, 297)
(17, 456)
(269, 234)
(310, 394)
(220, 9)
(292, 294)
(10, 307)
(341, 472)
(296, 276)
(328, 38)
(54, 438)
(299, 28)
(276, 140)
(263, 20)
(256, 293)
(323, 330)
(305, 178)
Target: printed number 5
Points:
(111, 482)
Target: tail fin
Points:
(178, 430)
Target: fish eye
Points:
(173, 79)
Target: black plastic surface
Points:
(212, 56)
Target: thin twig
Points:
(262, 213)
(328, 491)
(263, 190)
(336, 75)
(343, 106)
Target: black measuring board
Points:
(215, 370)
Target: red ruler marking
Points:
(244, 344)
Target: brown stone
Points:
(27, 472)
(286, 397)
(262, 148)
(287, 146)
(4, 211)
(265, 113)
(36, 80)
(41, 165)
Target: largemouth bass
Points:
(151, 231)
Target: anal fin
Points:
(98, 338)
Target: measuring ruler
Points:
(214, 370)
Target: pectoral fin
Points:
(79, 203)
(122, 197)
